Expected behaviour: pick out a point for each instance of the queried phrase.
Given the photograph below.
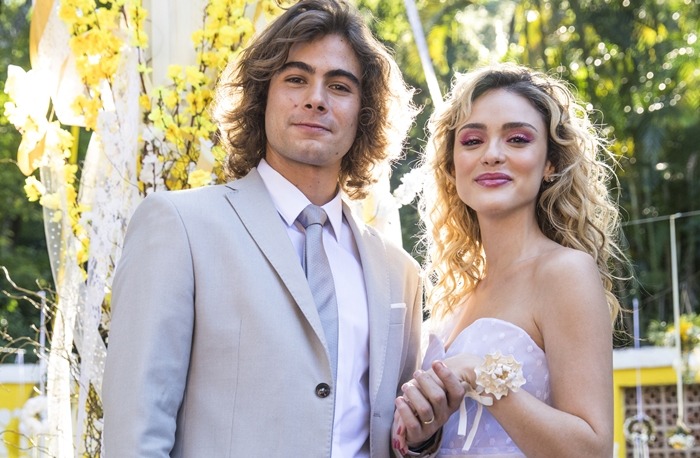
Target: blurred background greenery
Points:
(635, 62)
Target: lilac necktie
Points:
(320, 277)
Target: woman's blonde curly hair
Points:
(387, 110)
(574, 209)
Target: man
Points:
(222, 342)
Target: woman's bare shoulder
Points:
(567, 265)
(569, 284)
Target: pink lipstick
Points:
(493, 180)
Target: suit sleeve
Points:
(413, 362)
(150, 335)
(413, 352)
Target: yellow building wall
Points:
(625, 378)
(12, 398)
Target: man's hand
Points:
(427, 403)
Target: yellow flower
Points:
(79, 231)
(194, 77)
(145, 102)
(57, 216)
(197, 37)
(69, 171)
(71, 194)
(82, 256)
(174, 72)
(170, 99)
(174, 134)
(157, 116)
(199, 178)
(206, 58)
(33, 188)
(245, 28)
(58, 139)
(107, 18)
(51, 201)
(227, 36)
(136, 12)
(685, 327)
(219, 153)
(109, 65)
(140, 39)
(89, 108)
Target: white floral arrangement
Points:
(681, 441)
(681, 437)
(639, 427)
(411, 185)
(499, 374)
(33, 419)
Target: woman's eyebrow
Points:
(506, 126)
(515, 125)
(477, 126)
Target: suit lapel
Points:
(374, 267)
(251, 201)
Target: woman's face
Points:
(500, 154)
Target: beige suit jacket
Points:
(216, 348)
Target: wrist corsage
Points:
(497, 375)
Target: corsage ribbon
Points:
(481, 401)
(498, 375)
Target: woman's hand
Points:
(398, 434)
(463, 366)
(427, 403)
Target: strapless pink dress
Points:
(487, 335)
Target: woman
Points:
(520, 229)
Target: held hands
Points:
(427, 402)
(430, 399)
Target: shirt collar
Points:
(290, 201)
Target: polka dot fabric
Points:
(487, 335)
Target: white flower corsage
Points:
(497, 375)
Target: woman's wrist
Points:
(498, 375)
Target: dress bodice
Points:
(487, 335)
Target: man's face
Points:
(313, 105)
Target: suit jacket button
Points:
(323, 390)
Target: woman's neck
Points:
(509, 239)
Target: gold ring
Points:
(429, 421)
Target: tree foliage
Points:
(22, 242)
(637, 64)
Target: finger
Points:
(420, 394)
(401, 444)
(434, 376)
(433, 391)
(454, 389)
(405, 397)
(398, 438)
(414, 433)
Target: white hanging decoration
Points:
(33, 418)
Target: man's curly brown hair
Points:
(386, 112)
